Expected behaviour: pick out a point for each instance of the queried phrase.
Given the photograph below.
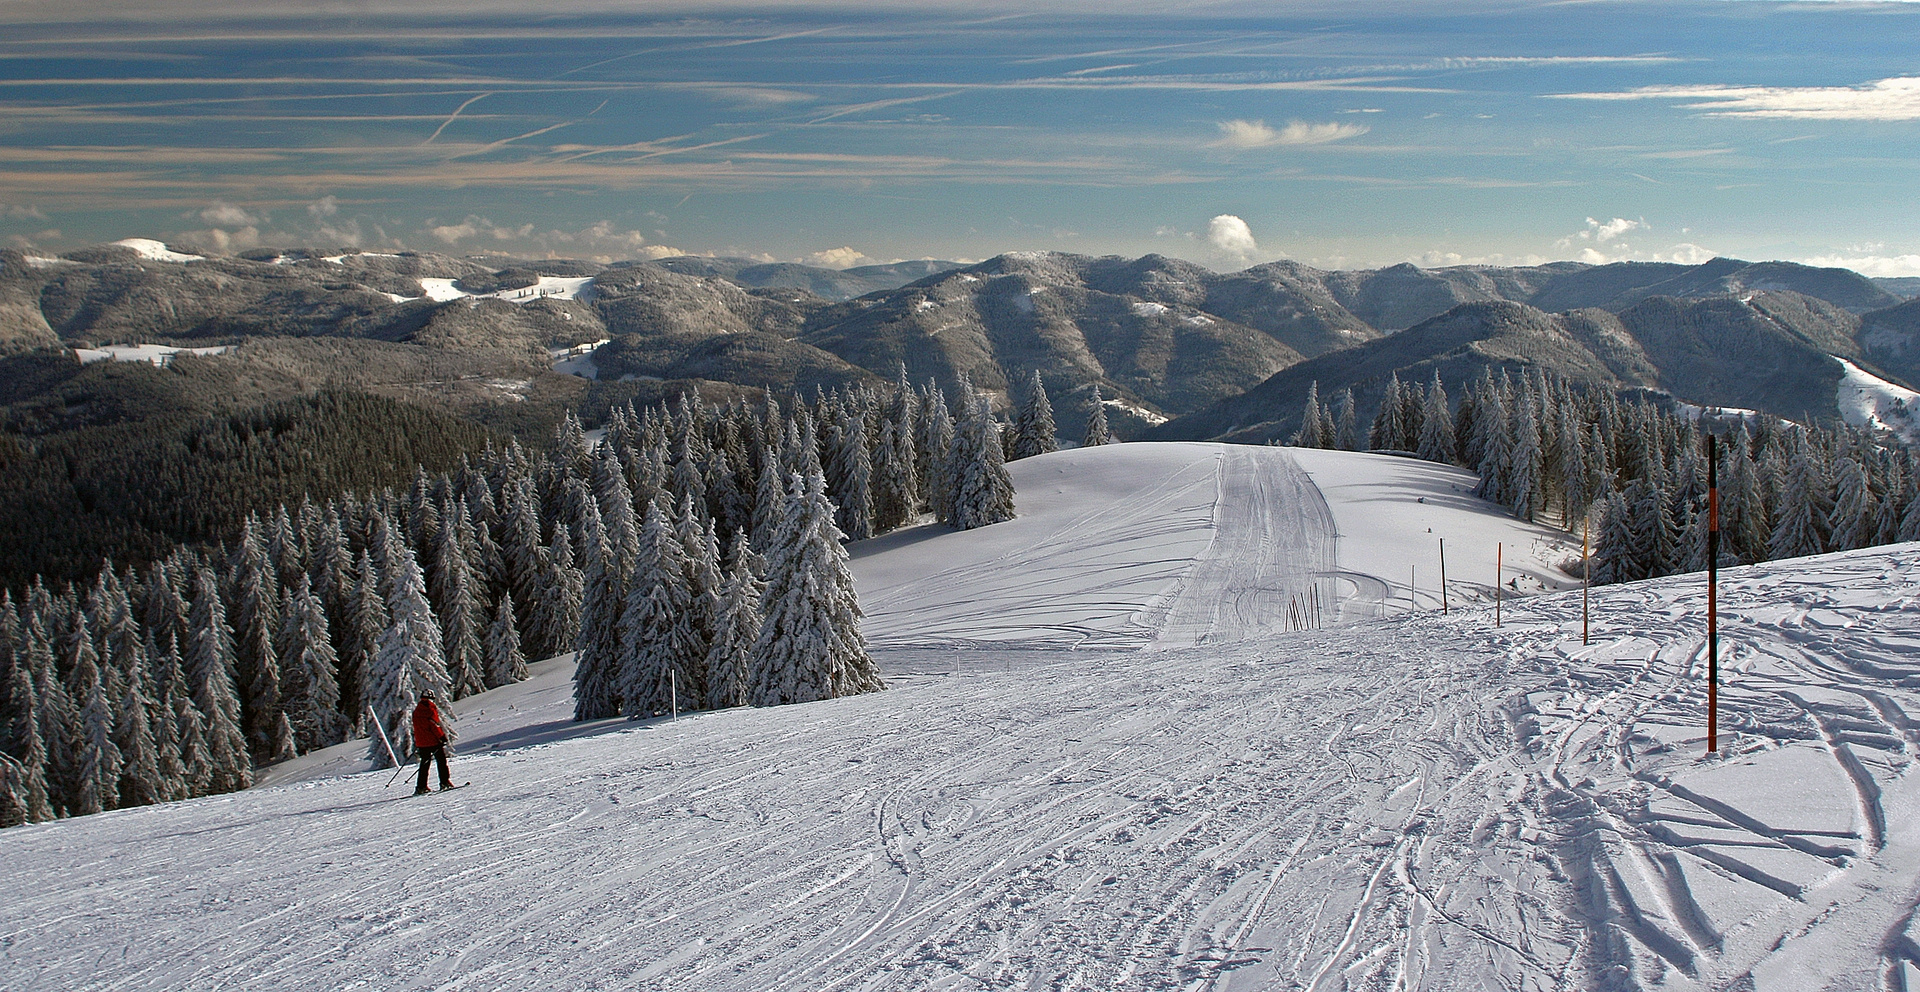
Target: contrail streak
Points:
(451, 117)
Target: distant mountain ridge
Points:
(1219, 354)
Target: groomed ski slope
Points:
(1418, 801)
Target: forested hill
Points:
(132, 489)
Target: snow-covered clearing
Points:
(578, 359)
(1416, 801)
(158, 354)
(155, 251)
(1867, 400)
(548, 288)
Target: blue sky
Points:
(1341, 135)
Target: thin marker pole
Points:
(1586, 581)
(1443, 576)
(1713, 596)
(1498, 568)
(1410, 569)
(673, 686)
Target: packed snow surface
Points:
(1408, 801)
(1123, 546)
(1866, 400)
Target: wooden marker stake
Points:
(1713, 596)
(1498, 568)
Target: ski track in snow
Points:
(1417, 801)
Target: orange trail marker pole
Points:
(1498, 551)
(1586, 581)
(1713, 597)
(1443, 576)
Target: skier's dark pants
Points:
(438, 754)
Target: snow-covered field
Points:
(1196, 798)
(548, 288)
(1867, 400)
(155, 251)
(158, 354)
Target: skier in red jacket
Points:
(430, 739)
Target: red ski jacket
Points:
(428, 731)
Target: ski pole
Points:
(382, 731)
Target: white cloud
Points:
(1239, 133)
(346, 234)
(1685, 254)
(1893, 99)
(1612, 229)
(662, 251)
(1879, 266)
(453, 234)
(222, 241)
(1231, 236)
(842, 257)
(15, 211)
(756, 96)
(1602, 242)
(1440, 259)
(323, 208)
(227, 215)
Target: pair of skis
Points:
(398, 768)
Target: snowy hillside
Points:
(1134, 544)
(1868, 400)
(1417, 801)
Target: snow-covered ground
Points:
(1409, 801)
(155, 251)
(1867, 400)
(1123, 546)
(578, 359)
(158, 354)
(548, 288)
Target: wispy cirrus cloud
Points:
(1893, 99)
(1241, 133)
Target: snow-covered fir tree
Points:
(982, 492)
(506, 663)
(1437, 442)
(1097, 431)
(1034, 432)
(1309, 435)
(597, 672)
(661, 654)
(210, 670)
(141, 783)
(810, 646)
(308, 667)
(736, 630)
(894, 491)
(408, 661)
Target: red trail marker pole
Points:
(1443, 576)
(1713, 596)
(1586, 581)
